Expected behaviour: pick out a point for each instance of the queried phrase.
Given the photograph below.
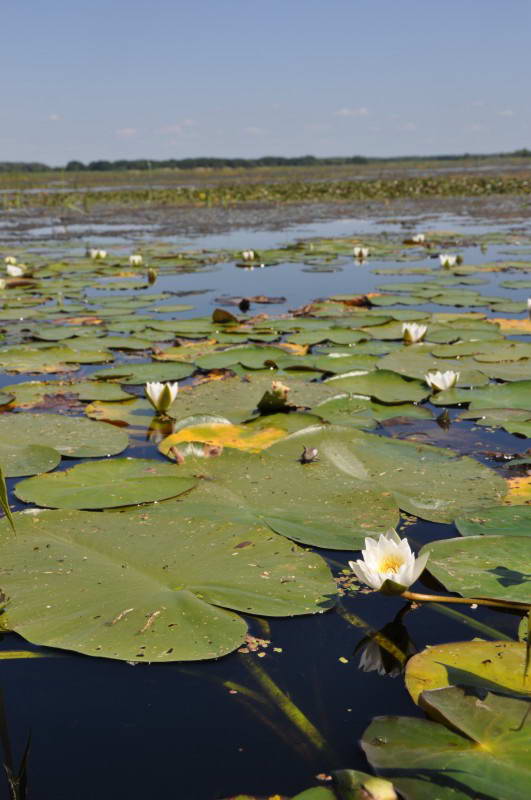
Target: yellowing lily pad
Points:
(495, 666)
(224, 434)
(519, 491)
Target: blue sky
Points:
(174, 78)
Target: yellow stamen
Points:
(391, 563)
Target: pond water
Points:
(105, 729)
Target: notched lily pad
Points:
(125, 586)
(105, 484)
(75, 437)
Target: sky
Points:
(109, 79)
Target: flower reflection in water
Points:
(386, 651)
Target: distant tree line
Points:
(123, 165)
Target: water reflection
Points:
(386, 651)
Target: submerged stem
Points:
(288, 707)
(465, 619)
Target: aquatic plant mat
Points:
(211, 539)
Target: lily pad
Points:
(499, 520)
(496, 567)
(494, 666)
(75, 437)
(31, 393)
(18, 460)
(312, 503)
(124, 586)
(133, 374)
(516, 394)
(105, 484)
(222, 433)
(431, 482)
(484, 751)
(383, 385)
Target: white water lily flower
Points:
(389, 558)
(15, 271)
(136, 260)
(418, 238)
(529, 306)
(10, 260)
(439, 381)
(413, 333)
(360, 252)
(447, 260)
(161, 395)
(97, 255)
(248, 255)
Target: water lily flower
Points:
(413, 333)
(10, 260)
(388, 559)
(439, 381)
(418, 238)
(136, 260)
(15, 271)
(161, 395)
(97, 255)
(529, 306)
(248, 255)
(360, 252)
(447, 260)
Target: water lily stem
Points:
(478, 601)
(290, 710)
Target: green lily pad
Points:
(75, 437)
(249, 356)
(496, 567)
(133, 374)
(499, 520)
(312, 503)
(345, 409)
(417, 361)
(484, 751)
(516, 394)
(105, 484)
(383, 385)
(117, 586)
(31, 393)
(18, 460)
(431, 482)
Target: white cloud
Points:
(507, 112)
(474, 127)
(177, 127)
(54, 117)
(407, 126)
(126, 133)
(352, 112)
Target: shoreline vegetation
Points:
(213, 162)
(277, 187)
